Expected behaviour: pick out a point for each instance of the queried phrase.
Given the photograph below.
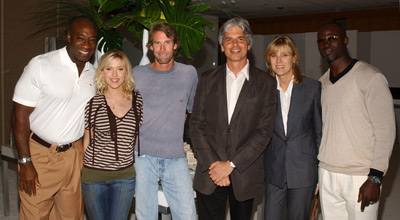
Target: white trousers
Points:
(339, 194)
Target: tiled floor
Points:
(389, 204)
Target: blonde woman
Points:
(290, 162)
(112, 120)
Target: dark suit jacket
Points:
(243, 141)
(293, 158)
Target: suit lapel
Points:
(278, 119)
(221, 91)
(245, 92)
(295, 106)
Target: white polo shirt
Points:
(51, 84)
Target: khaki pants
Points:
(59, 197)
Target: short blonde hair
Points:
(284, 42)
(101, 86)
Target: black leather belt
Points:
(59, 148)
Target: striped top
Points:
(112, 145)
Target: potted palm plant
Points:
(136, 15)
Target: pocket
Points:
(36, 149)
(40, 156)
(141, 155)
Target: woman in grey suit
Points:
(290, 161)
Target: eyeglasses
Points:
(330, 39)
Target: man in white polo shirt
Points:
(48, 119)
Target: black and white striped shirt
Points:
(112, 145)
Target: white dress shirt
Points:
(234, 84)
(285, 97)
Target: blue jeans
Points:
(110, 199)
(175, 181)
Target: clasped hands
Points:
(219, 172)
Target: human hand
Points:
(224, 182)
(28, 179)
(368, 194)
(220, 170)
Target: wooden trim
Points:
(363, 21)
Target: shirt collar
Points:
(64, 56)
(65, 59)
(278, 87)
(244, 71)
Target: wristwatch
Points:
(375, 180)
(232, 164)
(24, 160)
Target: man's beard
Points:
(163, 59)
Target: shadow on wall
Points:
(390, 183)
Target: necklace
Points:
(112, 103)
(115, 100)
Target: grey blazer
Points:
(293, 157)
(243, 141)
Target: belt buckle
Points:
(63, 147)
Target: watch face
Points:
(375, 180)
(24, 160)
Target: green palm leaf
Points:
(134, 15)
(52, 14)
(190, 27)
(109, 39)
(108, 5)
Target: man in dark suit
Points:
(290, 162)
(230, 127)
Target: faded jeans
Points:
(175, 181)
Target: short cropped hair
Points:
(81, 19)
(101, 86)
(236, 22)
(341, 28)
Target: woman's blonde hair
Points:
(127, 86)
(284, 42)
